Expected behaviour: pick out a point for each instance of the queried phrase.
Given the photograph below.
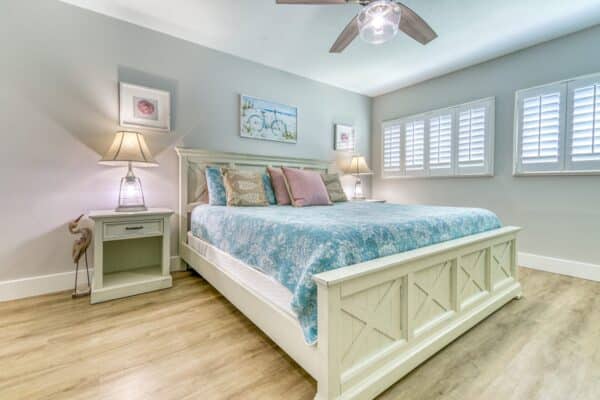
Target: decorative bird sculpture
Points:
(80, 247)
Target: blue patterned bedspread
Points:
(292, 244)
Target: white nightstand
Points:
(369, 201)
(131, 253)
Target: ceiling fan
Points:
(378, 22)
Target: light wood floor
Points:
(188, 342)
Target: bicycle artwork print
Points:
(267, 120)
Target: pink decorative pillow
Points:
(279, 186)
(306, 188)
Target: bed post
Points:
(329, 324)
(182, 209)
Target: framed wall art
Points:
(344, 138)
(145, 108)
(267, 120)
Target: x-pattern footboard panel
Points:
(371, 320)
(431, 294)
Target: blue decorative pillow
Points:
(216, 188)
(269, 193)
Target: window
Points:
(557, 128)
(456, 141)
(541, 126)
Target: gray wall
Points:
(561, 215)
(59, 71)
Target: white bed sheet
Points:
(261, 284)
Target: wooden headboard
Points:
(193, 160)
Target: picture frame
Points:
(144, 108)
(268, 120)
(344, 138)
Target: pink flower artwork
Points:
(145, 108)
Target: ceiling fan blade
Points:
(349, 33)
(414, 26)
(311, 1)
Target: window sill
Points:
(438, 176)
(556, 173)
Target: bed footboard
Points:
(380, 319)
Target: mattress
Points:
(258, 282)
(292, 244)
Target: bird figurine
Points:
(80, 247)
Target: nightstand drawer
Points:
(125, 230)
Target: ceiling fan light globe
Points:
(378, 22)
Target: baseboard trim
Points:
(53, 283)
(46, 284)
(176, 264)
(39, 285)
(560, 266)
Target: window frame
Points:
(519, 98)
(566, 167)
(454, 171)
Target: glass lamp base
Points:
(358, 192)
(131, 195)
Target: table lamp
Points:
(129, 148)
(358, 167)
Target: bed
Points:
(358, 294)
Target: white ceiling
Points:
(296, 38)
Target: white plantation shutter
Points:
(557, 127)
(540, 125)
(453, 141)
(440, 143)
(540, 129)
(414, 147)
(471, 137)
(475, 125)
(583, 151)
(391, 148)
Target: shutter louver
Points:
(414, 146)
(471, 137)
(540, 129)
(440, 142)
(391, 148)
(585, 134)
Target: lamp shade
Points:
(128, 147)
(358, 166)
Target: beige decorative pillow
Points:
(334, 187)
(244, 188)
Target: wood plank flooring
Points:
(188, 342)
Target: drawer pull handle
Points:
(134, 228)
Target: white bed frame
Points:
(379, 319)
